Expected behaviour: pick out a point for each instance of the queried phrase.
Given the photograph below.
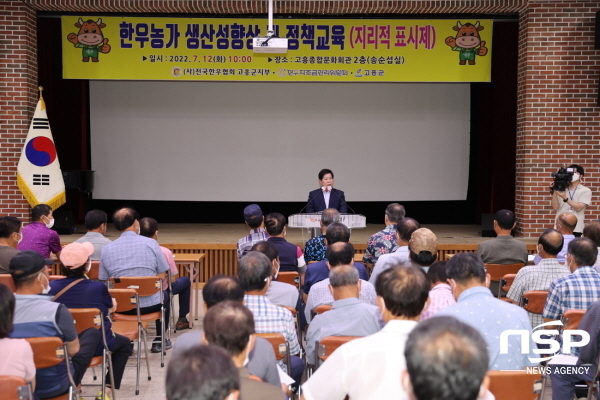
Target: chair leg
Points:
(103, 377)
(94, 373)
(139, 359)
(163, 349)
(111, 373)
(147, 358)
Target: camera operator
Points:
(574, 199)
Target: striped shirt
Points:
(536, 277)
(245, 244)
(576, 291)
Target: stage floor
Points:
(230, 233)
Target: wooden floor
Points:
(230, 233)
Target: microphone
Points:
(309, 201)
(341, 199)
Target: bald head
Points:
(552, 243)
(340, 253)
(566, 223)
(125, 219)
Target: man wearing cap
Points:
(255, 219)
(77, 291)
(134, 255)
(36, 315)
(423, 248)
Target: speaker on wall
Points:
(487, 225)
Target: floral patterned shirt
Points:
(314, 249)
(383, 242)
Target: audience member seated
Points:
(254, 271)
(96, 223)
(440, 295)
(37, 315)
(404, 231)
(540, 276)
(221, 288)
(579, 289)
(445, 359)
(290, 256)
(76, 291)
(565, 224)
(10, 236)
(563, 384)
(340, 253)
(134, 255)
(348, 316)
(38, 236)
(230, 326)
(335, 233)
(181, 286)
(254, 218)
(370, 367)
(203, 373)
(384, 242)
(592, 232)
(314, 249)
(279, 293)
(17, 356)
(476, 306)
(504, 249)
(423, 246)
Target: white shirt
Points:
(367, 368)
(326, 196)
(580, 194)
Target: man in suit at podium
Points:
(326, 196)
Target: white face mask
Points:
(278, 266)
(20, 239)
(46, 287)
(576, 177)
(89, 266)
(50, 223)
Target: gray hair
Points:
(343, 275)
(330, 216)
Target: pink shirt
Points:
(172, 266)
(440, 297)
(17, 358)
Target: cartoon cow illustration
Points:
(466, 41)
(90, 39)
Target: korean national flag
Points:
(38, 174)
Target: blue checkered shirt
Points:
(245, 244)
(576, 291)
(269, 318)
(315, 249)
(133, 255)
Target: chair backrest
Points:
(497, 271)
(126, 299)
(7, 280)
(15, 388)
(291, 277)
(47, 351)
(534, 301)
(143, 285)
(290, 309)
(329, 344)
(572, 318)
(322, 308)
(513, 385)
(255, 378)
(278, 342)
(56, 277)
(86, 318)
(94, 271)
(506, 281)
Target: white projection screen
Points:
(250, 141)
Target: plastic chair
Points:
(144, 286)
(15, 388)
(94, 271)
(7, 280)
(280, 346)
(56, 277)
(497, 271)
(328, 345)
(291, 277)
(322, 308)
(571, 319)
(86, 318)
(505, 283)
(51, 351)
(127, 299)
(514, 385)
(534, 301)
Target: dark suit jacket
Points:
(316, 201)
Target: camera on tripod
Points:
(562, 179)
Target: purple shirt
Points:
(38, 238)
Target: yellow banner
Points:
(219, 49)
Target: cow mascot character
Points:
(467, 42)
(90, 39)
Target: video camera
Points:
(562, 179)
